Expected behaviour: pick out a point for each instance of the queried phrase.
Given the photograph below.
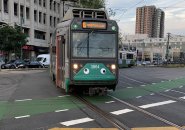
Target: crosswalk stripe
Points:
(77, 121)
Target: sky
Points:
(126, 12)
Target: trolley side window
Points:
(130, 56)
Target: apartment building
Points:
(38, 19)
(150, 20)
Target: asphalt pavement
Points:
(30, 100)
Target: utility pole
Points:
(22, 21)
(167, 46)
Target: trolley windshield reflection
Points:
(97, 45)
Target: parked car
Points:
(13, 64)
(1, 63)
(34, 64)
(44, 59)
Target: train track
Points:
(117, 123)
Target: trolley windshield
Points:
(94, 45)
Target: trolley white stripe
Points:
(109, 102)
(156, 104)
(152, 94)
(61, 110)
(23, 100)
(119, 112)
(78, 121)
(18, 117)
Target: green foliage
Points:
(94, 4)
(11, 39)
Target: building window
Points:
(54, 6)
(40, 35)
(54, 21)
(58, 8)
(26, 31)
(40, 17)
(51, 21)
(6, 6)
(58, 20)
(15, 9)
(44, 18)
(35, 15)
(22, 11)
(44, 3)
(50, 4)
(35, 1)
(27, 13)
(40, 2)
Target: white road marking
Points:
(61, 110)
(142, 85)
(156, 104)
(119, 112)
(133, 80)
(129, 87)
(180, 86)
(182, 97)
(23, 100)
(152, 94)
(153, 83)
(177, 91)
(162, 81)
(64, 96)
(109, 102)
(138, 97)
(167, 90)
(78, 121)
(18, 117)
(169, 80)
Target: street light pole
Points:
(167, 46)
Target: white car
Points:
(1, 62)
(44, 59)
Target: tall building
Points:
(150, 20)
(38, 19)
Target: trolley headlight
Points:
(75, 66)
(113, 66)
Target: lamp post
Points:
(167, 46)
(22, 21)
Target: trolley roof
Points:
(85, 13)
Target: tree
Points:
(12, 39)
(94, 4)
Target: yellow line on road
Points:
(83, 129)
(156, 128)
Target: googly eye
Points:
(86, 71)
(103, 71)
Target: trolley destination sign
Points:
(94, 25)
